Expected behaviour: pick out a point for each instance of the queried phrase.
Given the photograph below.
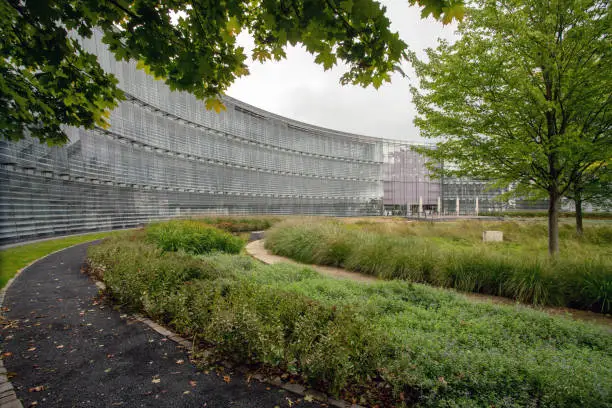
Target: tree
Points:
(47, 79)
(591, 185)
(523, 96)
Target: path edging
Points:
(297, 389)
(8, 397)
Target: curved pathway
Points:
(63, 347)
(257, 250)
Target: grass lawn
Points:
(393, 343)
(452, 254)
(14, 259)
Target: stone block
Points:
(294, 388)
(255, 235)
(316, 395)
(492, 236)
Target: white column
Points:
(457, 206)
(420, 205)
(477, 206)
(439, 206)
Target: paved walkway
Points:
(256, 250)
(64, 348)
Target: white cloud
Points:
(298, 88)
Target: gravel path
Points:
(62, 347)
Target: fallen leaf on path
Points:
(7, 354)
(38, 388)
(180, 361)
(227, 378)
(308, 398)
(193, 383)
(61, 346)
(156, 380)
(32, 349)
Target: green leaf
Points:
(215, 104)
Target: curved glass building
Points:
(166, 156)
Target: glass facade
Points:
(166, 156)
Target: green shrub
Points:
(432, 347)
(239, 224)
(544, 214)
(193, 237)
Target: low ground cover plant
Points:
(451, 255)
(193, 237)
(419, 345)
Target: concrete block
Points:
(316, 395)
(255, 235)
(492, 236)
(294, 388)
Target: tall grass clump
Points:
(452, 255)
(240, 224)
(396, 342)
(193, 237)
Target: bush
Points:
(431, 347)
(193, 237)
(451, 255)
(238, 224)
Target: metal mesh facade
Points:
(166, 156)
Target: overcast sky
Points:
(299, 89)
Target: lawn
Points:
(391, 343)
(452, 254)
(16, 258)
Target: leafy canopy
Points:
(524, 95)
(48, 80)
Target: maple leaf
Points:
(455, 12)
(233, 26)
(227, 378)
(261, 55)
(216, 104)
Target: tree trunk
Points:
(553, 222)
(578, 201)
